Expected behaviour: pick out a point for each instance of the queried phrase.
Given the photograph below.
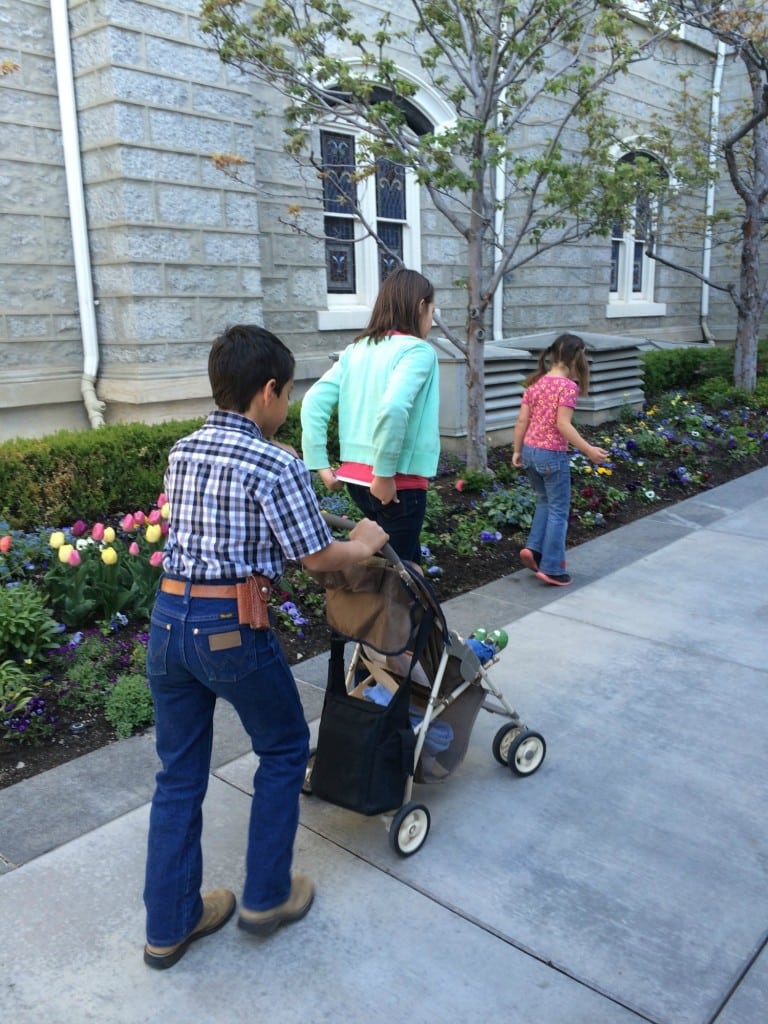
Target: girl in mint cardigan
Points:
(386, 388)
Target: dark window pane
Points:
(390, 190)
(392, 236)
(338, 157)
(637, 268)
(615, 251)
(340, 255)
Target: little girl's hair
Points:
(398, 305)
(569, 350)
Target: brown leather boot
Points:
(262, 922)
(218, 907)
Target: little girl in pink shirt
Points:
(543, 431)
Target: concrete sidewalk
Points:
(626, 881)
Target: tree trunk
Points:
(477, 452)
(749, 306)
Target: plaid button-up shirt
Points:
(239, 504)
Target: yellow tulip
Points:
(109, 556)
(109, 535)
(56, 539)
(65, 550)
(153, 533)
(165, 511)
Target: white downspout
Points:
(714, 120)
(94, 407)
(497, 318)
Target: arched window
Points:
(632, 273)
(388, 200)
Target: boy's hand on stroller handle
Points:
(379, 539)
(370, 534)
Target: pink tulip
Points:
(5, 543)
(156, 558)
(164, 529)
(127, 523)
(139, 517)
(161, 499)
(459, 485)
(155, 516)
(133, 549)
(98, 532)
(79, 528)
(74, 557)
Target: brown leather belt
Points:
(198, 589)
(252, 597)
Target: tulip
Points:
(156, 558)
(98, 531)
(5, 543)
(162, 499)
(459, 485)
(109, 535)
(155, 516)
(56, 539)
(74, 557)
(65, 550)
(109, 556)
(139, 517)
(165, 509)
(133, 549)
(153, 533)
(127, 523)
(164, 529)
(79, 528)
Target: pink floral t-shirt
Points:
(544, 398)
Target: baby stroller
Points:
(403, 709)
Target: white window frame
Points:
(624, 302)
(351, 311)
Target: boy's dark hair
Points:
(397, 306)
(568, 349)
(242, 360)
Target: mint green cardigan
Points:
(387, 394)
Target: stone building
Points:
(125, 250)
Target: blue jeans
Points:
(402, 520)
(197, 653)
(550, 476)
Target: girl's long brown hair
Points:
(569, 350)
(398, 305)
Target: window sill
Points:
(630, 309)
(353, 318)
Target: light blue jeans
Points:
(550, 476)
(197, 653)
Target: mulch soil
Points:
(80, 733)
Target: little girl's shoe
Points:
(530, 559)
(563, 580)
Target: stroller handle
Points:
(344, 523)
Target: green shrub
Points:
(683, 368)
(129, 705)
(28, 629)
(85, 474)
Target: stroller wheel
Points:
(526, 753)
(503, 740)
(409, 829)
(306, 788)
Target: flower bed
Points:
(75, 601)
